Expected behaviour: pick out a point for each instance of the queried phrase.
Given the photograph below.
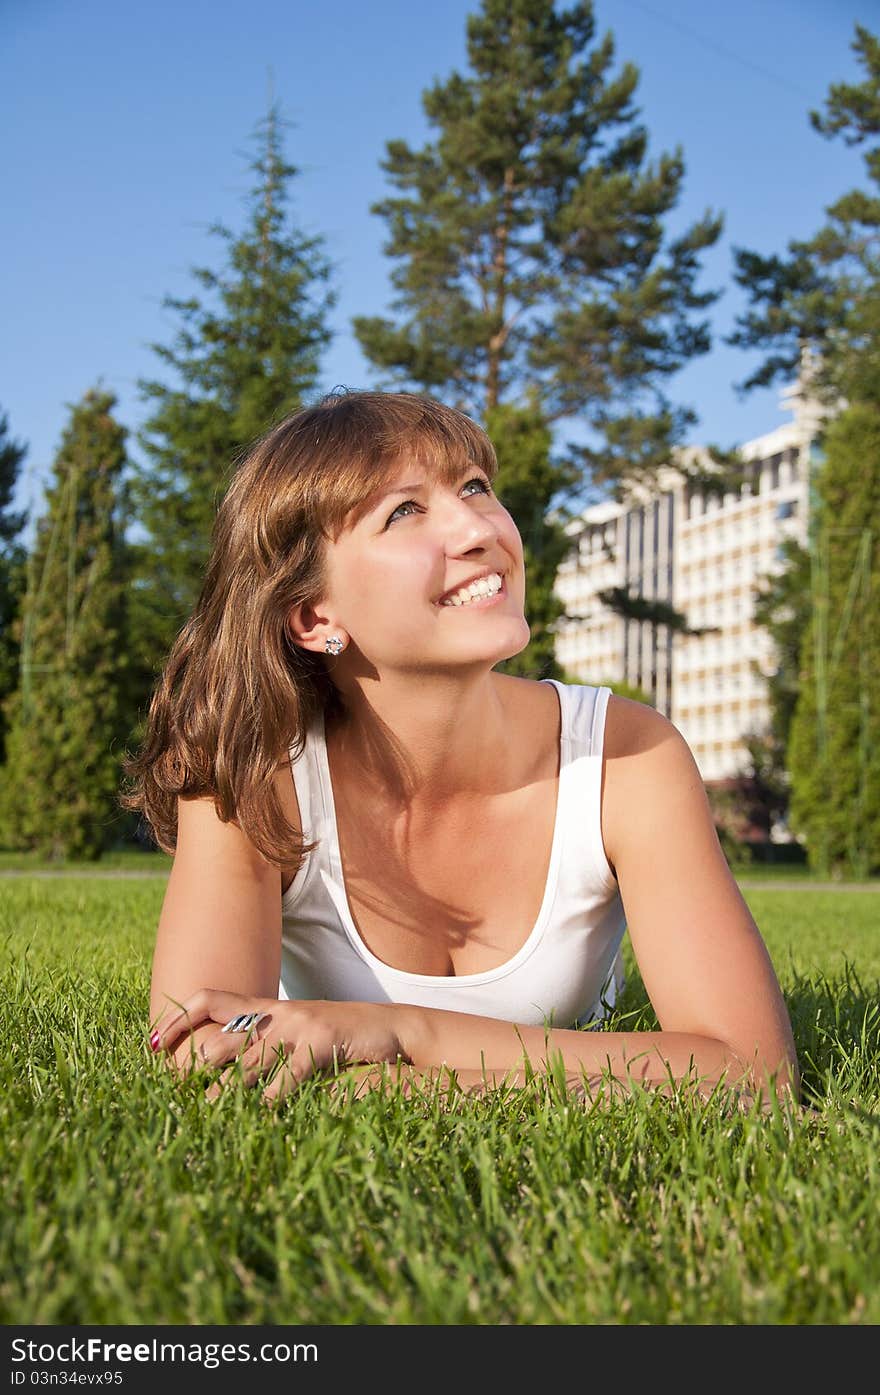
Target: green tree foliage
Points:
(816, 309)
(12, 568)
(834, 751)
(529, 478)
(822, 298)
(782, 607)
(246, 353)
(529, 242)
(66, 719)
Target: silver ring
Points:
(244, 1022)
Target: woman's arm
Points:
(220, 923)
(701, 956)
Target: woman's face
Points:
(395, 577)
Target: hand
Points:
(294, 1040)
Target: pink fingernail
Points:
(154, 1041)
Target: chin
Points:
(511, 644)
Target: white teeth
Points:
(476, 590)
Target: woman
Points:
(387, 852)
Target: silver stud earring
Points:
(334, 645)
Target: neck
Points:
(427, 739)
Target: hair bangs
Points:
(371, 436)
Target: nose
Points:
(468, 528)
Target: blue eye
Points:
(399, 511)
(409, 506)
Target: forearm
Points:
(433, 1038)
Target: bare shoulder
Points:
(645, 758)
(201, 833)
(634, 728)
(205, 839)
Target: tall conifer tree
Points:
(246, 352)
(818, 307)
(67, 723)
(834, 749)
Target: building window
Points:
(775, 463)
(787, 508)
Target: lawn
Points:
(128, 1198)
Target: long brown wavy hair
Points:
(236, 693)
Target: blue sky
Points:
(127, 128)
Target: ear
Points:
(310, 626)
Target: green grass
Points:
(127, 860)
(777, 871)
(128, 1198)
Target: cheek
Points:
(388, 572)
(370, 591)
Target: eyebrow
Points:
(382, 494)
(378, 497)
(376, 500)
(398, 489)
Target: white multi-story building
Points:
(705, 556)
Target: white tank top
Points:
(569, 968)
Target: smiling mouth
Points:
(486, 589)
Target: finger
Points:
(247, 1069)
(258, 1061)
(187, 1015)
(244, 1022)
(242, 1051)
(189, 1055)
(291, 1071)
(206, 1005)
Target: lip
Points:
(483, 600)
(477, 576)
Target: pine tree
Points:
(819, 306)
(66, 720)
(246, 353)
(529, 243)
(12, 568)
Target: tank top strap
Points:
(584, 710)
(305, 770)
